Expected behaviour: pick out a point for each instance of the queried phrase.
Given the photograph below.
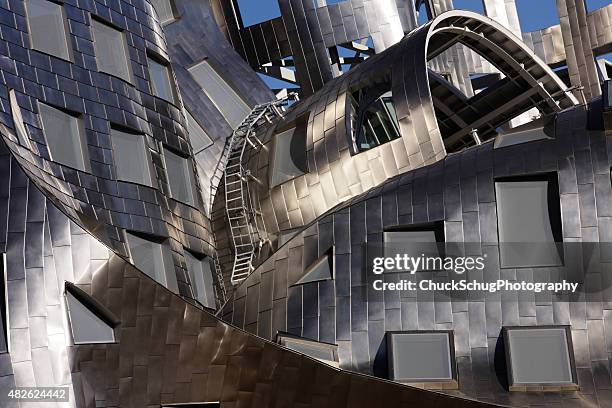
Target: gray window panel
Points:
(320, 270)
(161, 80)
(412, 243)
(63, 135)
(47, 28)
(200, 274)
(197, 136)
(154, 259)
(180, 177)
(131, 157)
(420, 357)
(164, 10)
(524, 225)
(539, 356)
(289, 159)
(111, 50)
(222, 95)
(311, 348)
(20, 130)
(85, 325)
(4, 321)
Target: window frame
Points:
(442, 383)
(282, 336)
(173, 10)
(158, 59)
(78, 117)
(67, 34)
(153, 183)
(166, 255)
(202, 258)
(99, 20)
(525, 387)
(191, 172)
(328, 255)
(273, 180)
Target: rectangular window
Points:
(154, 259)
(64, 137)
(539, 356)
(180, 177)
(325, 352)
(529, 221)
(131, 157)
(111, 50)
(289, 160)
(47, 28)
(161, 79)
(221, 94)
(165, 10)
(200, 274)
(415, 241)
(422, 357)
(197, 136)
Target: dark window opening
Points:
(376, 117)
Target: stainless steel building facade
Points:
(174, 234)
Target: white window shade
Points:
(86, 326)
(197, 136)
(180, 177)
(327, 353)
(47, 28)
(64, 139)
(289, 159)
(131, 157)
(222, 95)
(164, 10)
(111, 50)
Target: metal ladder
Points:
(220, 290)
(241, 216)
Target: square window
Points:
(289, 160)
(221, 94)
(47, 28)
(111, 50)
(422, 357)
(161, 80)
(180, 178)
(64, 137)
(200, 274)
(131, 157)
(154, 258)
(539, 357)
(325, 352)
(529, 221)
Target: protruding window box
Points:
(324, 352)
(424, 359)
(540, 358)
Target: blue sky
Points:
(534, 14)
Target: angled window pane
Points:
(111, 50)
(289, 155)
(164, 10)
(154, 259)
(417, 357)
(414, 240)
(86, 326)
(180, 177)
(539, 355)
(320, 270)
(47, 28)
(63, 135)
(161, 80)
(200, 274)
(524, 223)
(197, 136)
(20, 130)
(222, 95)
(325, 352)
(131, 157)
